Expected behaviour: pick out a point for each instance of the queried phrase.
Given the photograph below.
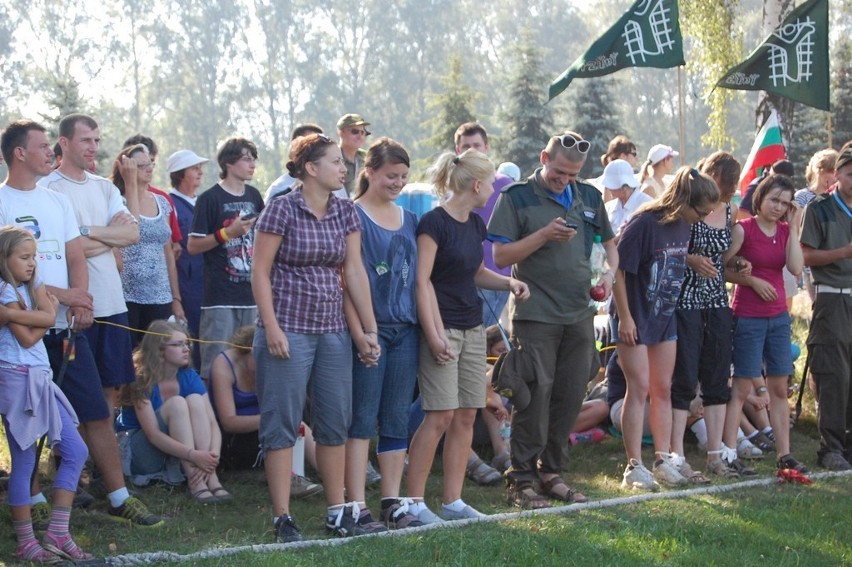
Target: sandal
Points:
(197, 496)
(65, 547)
(693, 476)
(35, 553)
(482, 474)
(571, 495)
(720, 468)
(221, 494)
(523, 495)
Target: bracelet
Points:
(223, 235)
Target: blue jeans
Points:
(382, 395)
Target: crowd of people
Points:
(330, 320)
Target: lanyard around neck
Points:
(842, 204)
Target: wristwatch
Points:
(85, 231)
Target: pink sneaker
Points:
(35, 553)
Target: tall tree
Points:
(450, 108)
(596, 117)
(526, 120)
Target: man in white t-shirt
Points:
(62, 266)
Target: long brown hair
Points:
(382, 151)
(10, 238)
(148, 360)
(689, 188)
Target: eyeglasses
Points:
(358, 131)
(568, 141)
(181, 344)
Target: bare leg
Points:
(357, 453)
(498, 444)
(592, 413)
(331, 460)
(421, 454)
(740, 389)
(391, 464)
(278, 463)
(456, 451)
(634, 361)
(714, 419)
(661, 359)
(679, 419)
(103, 448)
(779, 413)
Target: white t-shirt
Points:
(50, 217)
(10, 349)
(95, 201)
(619, 214)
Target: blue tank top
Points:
(390, 258)
(245, 403)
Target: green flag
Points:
(647, 35)
(792, 61)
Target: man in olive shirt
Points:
(545, 227)
(827, 246)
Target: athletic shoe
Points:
(40, 514)
(788, 462)
(286, 530)
(735, 463)
(466, 513)
(368, 525)
(425, 515)
(834, 461)
(637, 477)
(398, 515)
(665, 472)
(373, 476)
(763, 442)
(747, 450)
(301, 487)
(134, 512)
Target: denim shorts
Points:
(323, 361)
(382, 394)
(762, 344)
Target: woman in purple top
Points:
(762, 326)
(305, 241)
(653, 249)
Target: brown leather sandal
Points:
(571, 495)
(523, 495)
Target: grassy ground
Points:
(777, 525)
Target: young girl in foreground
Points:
(653, 249)
(170, 411)
(452, 349)
(762, 324)
(32, 405)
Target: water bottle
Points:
(505, 430)
(597, 262)
(594, 435)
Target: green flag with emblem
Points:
(792, 61)
(647, 35)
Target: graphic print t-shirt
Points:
(227, 267)
(653, 257)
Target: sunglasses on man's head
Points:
(568, 141)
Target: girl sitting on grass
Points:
(170, 417)
(32, 405)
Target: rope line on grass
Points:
(215, 553)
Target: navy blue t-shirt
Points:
(457, 260)
(653, 257)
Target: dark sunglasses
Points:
(568, 141)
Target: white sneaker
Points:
(466, 513)
(424, 514)
(666, 471)
(747, 450)
(637, 477)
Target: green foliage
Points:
(450, 108)
(526, 119)
(715, 46)
(841, 93)
(595, 116)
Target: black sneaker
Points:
(368, 525)
(788, 462)
(763, 442)
(741, 468)
(286, 530)
(134, 512)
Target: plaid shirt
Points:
(305, 276)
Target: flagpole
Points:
(680, 105)
(830, 141)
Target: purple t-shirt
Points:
(500, 181)
(653, 257)
(457, 260)
(768, 255)
(305, 276)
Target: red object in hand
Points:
(598, 292)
